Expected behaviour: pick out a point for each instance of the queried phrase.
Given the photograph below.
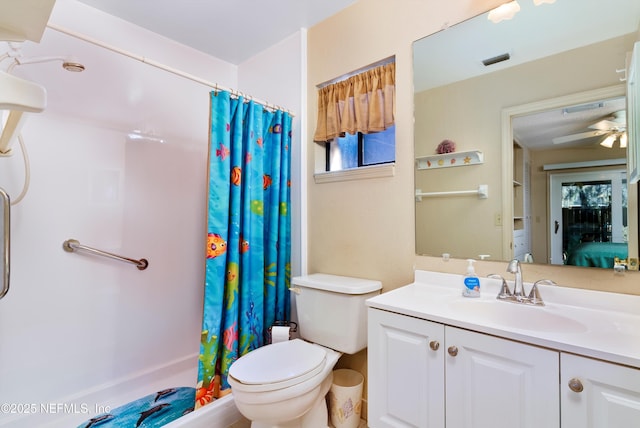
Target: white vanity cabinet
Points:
(499, 383)
(406, 371)
(422, 373)
(437, 359)
(598, 394)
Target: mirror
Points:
(547, 58)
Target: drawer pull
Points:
(434, 345)
(453, 350)
(575, 385)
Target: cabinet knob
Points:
(434, 345)
(575, 385)
(453, 350)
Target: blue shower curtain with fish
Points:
(248, 268)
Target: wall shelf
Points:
(472, 157)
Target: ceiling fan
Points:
(612, 128)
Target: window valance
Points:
(363, 103)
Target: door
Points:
(586, 207)
(405, 371)
(598, 394)
(498, 383)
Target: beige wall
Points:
(366, 227)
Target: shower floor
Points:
(153, 410)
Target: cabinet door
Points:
(493, 382)
(597, 394)
(405, 371)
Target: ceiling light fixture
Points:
(610, 140)
(623, 140)
(504, 11)
(508, 10)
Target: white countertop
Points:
(591, 323)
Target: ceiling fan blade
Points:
(579, 136)
(607, 125)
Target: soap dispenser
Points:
(471, 281)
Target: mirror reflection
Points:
(570, 193)
(537, 113)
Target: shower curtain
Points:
(248, 268)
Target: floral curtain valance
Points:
(362, 103)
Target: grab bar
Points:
(6, 241)
(71, 245)
(482, 191)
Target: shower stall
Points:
(117, 162)
(80, 333)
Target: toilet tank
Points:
(331, 310)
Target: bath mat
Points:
(153, 410)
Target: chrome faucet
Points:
(518, 295)
(518, 286)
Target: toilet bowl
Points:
(283, 385)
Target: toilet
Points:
(284, 384)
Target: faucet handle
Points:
(545, 282)
(534, 295)
(505, 292)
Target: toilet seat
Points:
(278, 366)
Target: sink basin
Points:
(516, 315)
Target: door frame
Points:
(555, 206)
(507, 152)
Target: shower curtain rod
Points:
(164, 67)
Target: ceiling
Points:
(535, 32)
(456, 53)
(537, 131)
(207, 25)
(145, 95)
(230, 30)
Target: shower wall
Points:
(80, 333)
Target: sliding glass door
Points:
(587, 207)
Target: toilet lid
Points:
(289, 362)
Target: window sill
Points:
(376, 171)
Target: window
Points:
(355, 126)
(357, 150)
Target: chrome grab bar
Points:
(6, 241)
(71, 245)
